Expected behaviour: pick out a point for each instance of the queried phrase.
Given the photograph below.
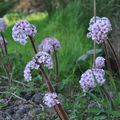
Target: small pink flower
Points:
(99, 62)
(3, 24)
(99, 29)
(41, 58)
(91, 78)
(49, 44)
(50, 99)
(21, 30)
(2, 42)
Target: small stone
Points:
(38, 98)
(10, 110)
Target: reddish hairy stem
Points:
(114, 53)
(5, 47)
(50, 88)
(5, 52)
(107, 57)
(50, 75)
(2, 50)
(33, 44)
(58, 107)
(108, 96)
(60, 110)
(57, 66)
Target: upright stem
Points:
(95, 8)
(2, 50)
(94, 11)
(4, 43)
(114, 53)
(50, 88)
(50, 75)
(61, 112)
(107, 57)
(58, 107)
(5, 52)
(94, 56)
(33, 44)
(57, 66)
(108, 96)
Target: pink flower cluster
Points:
(2, 43)
(99, 62)
(49, 44)
(41, 58)
(91, 78)
(99, 29)
(21, 30)
(50, 99)
(3, 25)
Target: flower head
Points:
(99, 62)
(99, 29)
(49, 44)
(50, 99)
(91, 78)
(21, 30)
(44, 59)
(93, 20)
(3, 24)
(27, 72)
(41, 58)
(2, 42)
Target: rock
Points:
(17, 116)
(27, 95)
(2, 115)
(24, 110)
(92, 104)
(38, 98)
(1, 118)
(10, 110)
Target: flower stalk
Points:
(108, 96)
(94, 44)
(33, 44)
(57, 66)
(5, 53)
(58, 107)
(114, 53)
(107, 57)
(5, 47)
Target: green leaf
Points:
(115, 113)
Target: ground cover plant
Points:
(95, 98)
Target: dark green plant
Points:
(5, 6)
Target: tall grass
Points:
(64, 25)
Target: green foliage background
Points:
(69, 25)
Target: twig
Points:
(16, 81)
(9, 116)
(27, 101)
(20, 83)
(94, 12)
(57, 66)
